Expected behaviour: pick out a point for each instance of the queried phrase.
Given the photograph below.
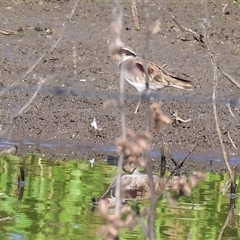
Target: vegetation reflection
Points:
(56, 202)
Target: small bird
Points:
(132, 68)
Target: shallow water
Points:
(209, 154)
(56, 204)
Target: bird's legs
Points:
(138, 105)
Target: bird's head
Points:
(127, 53)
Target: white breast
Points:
(142, 86)
(139, 86)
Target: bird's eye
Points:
(127, 52)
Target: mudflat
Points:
(80, 76)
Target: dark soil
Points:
(58, 122)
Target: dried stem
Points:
(6, 218)
(226, 6)
(151, 215)
(121, 158)
(230, 213)
(179, 166)
(112, 184)
(22, 110)
(232, 142)
(229, 77)
(135, 14)
(215, 83)
(205, 41)
(74, 60)
(46, 52)
(196, 36)
(200, 38)
(118, 14)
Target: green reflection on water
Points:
(57, 197)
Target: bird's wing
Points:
(133, 70)
(160, 77)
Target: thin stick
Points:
(74, 60)
(226, 222)
(189, 235)
(121, 158)
(179, 166)
(226, 6)
(144, 227)
(118, 13)
(229, 77)
(215, 83)
(196, 35)
(135, 14)
(230, 110)
(46, 52)
(20, 112)
(200, 38)
(232, 142)
(109, 188)
(138, 105)
(215, 79)
(151, 215)
(163, 162)
(6, 218)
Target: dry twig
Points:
(215, 83)
(179, 119)
(112, 184)
(230, 110)
(151, 30)
(201, 38)
(179, 166)
(30, 70)
(117, 30)
(6, 218)
(230, 215)
(204, 39)
(23, 109)
(228, 76)
(232, 142)
(135, 14)
(226, 6)
(74, 60)
(197, 36)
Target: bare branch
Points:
(135, 14)
(151, 30)
(23, 109)
(229, 77)
(179, 119)
(196, 35)
(6, 218)
(179, 166)
(226, 222)
(117, 29)
(74, 60)
(112, 184)
(200, 38)
(230, 110)
(46, 52)
(232, 142)
(215, 83)
(226, 6)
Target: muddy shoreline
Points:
(80, 76)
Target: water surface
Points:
(56, 203)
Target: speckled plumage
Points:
(133, 71)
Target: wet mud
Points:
(80, 76)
